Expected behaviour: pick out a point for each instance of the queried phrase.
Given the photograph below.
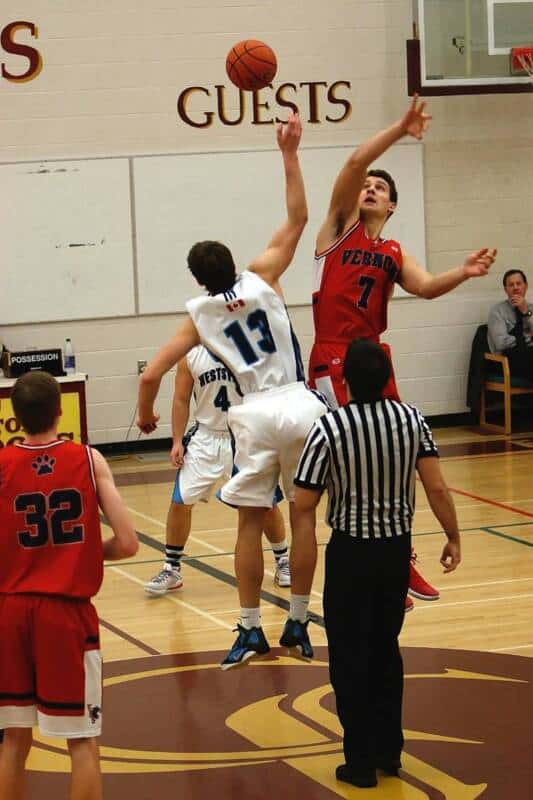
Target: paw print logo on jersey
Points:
(44, 465)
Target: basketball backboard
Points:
(464, 46)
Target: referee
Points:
(365, 455)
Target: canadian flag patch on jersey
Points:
(235, 305)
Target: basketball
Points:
(251, 64)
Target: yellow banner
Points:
(69, 424)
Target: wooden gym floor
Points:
(174, 722)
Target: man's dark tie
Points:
(519, 330)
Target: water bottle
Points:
(70, 358)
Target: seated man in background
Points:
(510, 327)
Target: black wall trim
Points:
(154, 445)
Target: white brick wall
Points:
(109, 85)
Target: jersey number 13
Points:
(255, 321)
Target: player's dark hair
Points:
(36, 400)
(513, 272)
(212, 265)
(380, 173)
(366, 370)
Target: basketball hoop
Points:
(522, 60)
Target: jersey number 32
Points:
(47, 515)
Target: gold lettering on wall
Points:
(315, 98)
(334, 100)
(10, 45)
(183, 100)
(221, 105)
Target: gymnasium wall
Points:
(109, 84)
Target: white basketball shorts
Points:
(209, 456)
(269, 429)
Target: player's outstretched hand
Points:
(289, 134)
(176, 455)
(416, 122)
(451, 556)
(478, 264)
(147, 422)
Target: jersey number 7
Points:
(367, 283)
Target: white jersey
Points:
(214, 389)
(249, 329)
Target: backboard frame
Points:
(494, 50)
(419, 83)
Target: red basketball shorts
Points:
(50, 665)
(325, 372)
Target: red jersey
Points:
(50, 539)
(354, 282)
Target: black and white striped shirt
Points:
(365, 455)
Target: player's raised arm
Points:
(344, 204)
(418, 281)
(273, 262)
(185, 338)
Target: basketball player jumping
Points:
(203, 456)
(355, 271)
(244, 322)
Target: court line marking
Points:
(510, 647)
(224, 577)
(439, 604)
(486, 583)
(476, 529)
(283, 603)
(217, 550)
(191, 538)
(238, 610)
(443, 588)
(135, 563)
(323, 528)
(471, 456)
(319, 595)
(177, 601)
(128, 637)
(469, 506)
(496, 503)
(494, 532)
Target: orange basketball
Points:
(251, 64)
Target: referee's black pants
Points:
(364, 604)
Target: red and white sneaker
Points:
(409, 605)
(168, 580)
(418, 586)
